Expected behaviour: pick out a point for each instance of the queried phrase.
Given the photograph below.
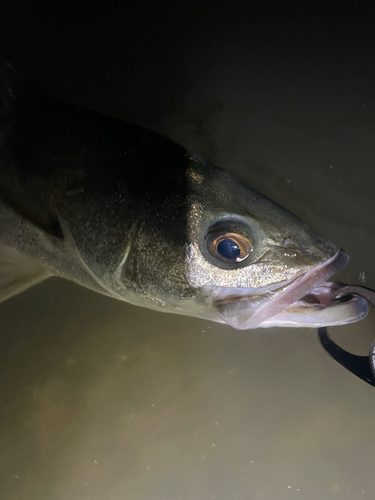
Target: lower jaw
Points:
(308, 302)
(319, 308)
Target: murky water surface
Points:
(101, 400)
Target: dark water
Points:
(105, 401)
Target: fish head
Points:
(224, 252)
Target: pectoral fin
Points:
(18, 273)
(21, 262)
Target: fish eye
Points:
(229, 247)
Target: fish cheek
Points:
(156, 268)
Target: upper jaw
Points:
(252, 311)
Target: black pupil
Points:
(228, 249)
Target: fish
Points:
(128, 213)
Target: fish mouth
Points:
(308, 301)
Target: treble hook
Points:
(361, 366)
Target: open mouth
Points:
(309, 301)
(321, 307)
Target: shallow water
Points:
(101, 400)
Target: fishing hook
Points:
(361, 366)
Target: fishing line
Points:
(361, 366)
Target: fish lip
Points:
(292, 293)
(321, 308)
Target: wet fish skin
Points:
(126, 212)
(93, 174)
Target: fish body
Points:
(130, 214)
